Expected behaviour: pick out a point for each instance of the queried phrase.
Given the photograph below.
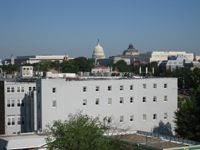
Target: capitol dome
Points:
(98, 51)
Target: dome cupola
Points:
(98, 51)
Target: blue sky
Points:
(59, 27)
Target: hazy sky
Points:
(59, 27)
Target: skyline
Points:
(73, 27)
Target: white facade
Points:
(13, 97)
(26, 71)
(136, 103)
(162, 55)
(98, 51)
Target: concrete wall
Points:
(69, 96)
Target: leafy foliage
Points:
(81, 132)
(187, 120)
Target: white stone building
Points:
(162, 55)
(98, 51)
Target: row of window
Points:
(19, 89)
(144, 118)
(11, 120)
(121, 87)
(121, 101)
(12, 102)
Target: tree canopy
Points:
(80, 132)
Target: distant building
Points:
(26, 71)
(162, 55)
(12, 60)
(98, 51)
(173, 63)
(35, 59)
(131, 51)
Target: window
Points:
(54, 103)
(53, 90)
(131, 87)
(20, 120)
(165, 85)
(84, 89)
(8, 103)
(131, 118)
(165, 115)
(18, 89)
(121, 119)
(34, 88)
(8, 89)
(154, 116)
(154, 86)
(121, 101)
(11, 120)
(144, 99)
(121, 88)
(109, 88)
(12, 103)
(22, 89)
(12, 89)
(85, 102)
(165, 98)
(30, 88)
(20, 102)
(97, 101)
(97, 88)
(131, 99)
(144, 117)
(144, 86)
(110, 101)
(154, 99)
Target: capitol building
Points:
(98, 51)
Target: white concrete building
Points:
(140, 104)
(162, 55)
(26, 71)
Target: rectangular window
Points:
(165, 85)
(131, 118)
(154, 86)
(165, 115)
(154, 99)
(84, 102)
(97, 101)
(97, 88)
(34, 88)
(144, 99)
(131, 87)
(154, 116)
(144, 86)
(121, 119)
(20, 120)
(8, 89)
(165, 98)
(22, 89)
(11, 120)
(109, 88)
(54, 104)
(20, 102)
(84, 89)
(144, 117)
(131, 99)
(12, 103)
(121, 88)
(30, 88)
(8, 103)
(110, 101)
(53, 90)
(121, 101)
(18, 89)
(12, 89)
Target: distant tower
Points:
(98, 51)
(195, 57)
(12, 60)
(66, 57)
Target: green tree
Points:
(80, 132)
(187, 119)
(193, 78)
(83, 64)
